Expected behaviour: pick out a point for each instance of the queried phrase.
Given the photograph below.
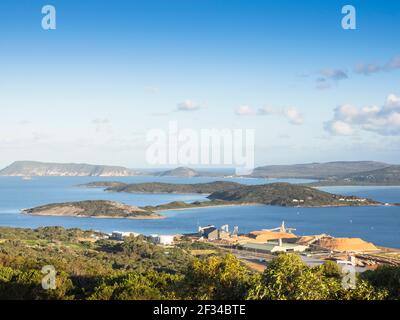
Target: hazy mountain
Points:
(386, 176)
(189, 172)
(179, 172)
(33, 168)
(318, 170)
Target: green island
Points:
(90, 266)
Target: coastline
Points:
(149, 217)
(158, 213)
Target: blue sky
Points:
(91, 89)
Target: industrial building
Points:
(212, 233)
(163, 239)
(120, 235)
(273, 247)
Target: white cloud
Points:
(188, 105)
(338, 127)
(384, 120)
(291, 114)
(244, 111)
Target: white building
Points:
(164, 239)
(120, 235)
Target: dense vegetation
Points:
(286, 194)
(188, 205)
(89, 267)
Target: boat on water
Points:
(26, 178)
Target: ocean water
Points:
(380, 225)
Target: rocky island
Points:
(92, 208)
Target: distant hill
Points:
(190, 172)
(33, 168)
(318, 170)
(386, 176)
(179, 172)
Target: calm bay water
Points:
(380, 225)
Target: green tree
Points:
(385, 278)
(216, 278)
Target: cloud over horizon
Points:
(188, 105)
(384, 120)
(244, 110)
(291, 114)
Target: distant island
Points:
(160, 187)
(337, 173)
(34, 168)
(317, 170)
(92, 208)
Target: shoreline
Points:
(149, 217)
